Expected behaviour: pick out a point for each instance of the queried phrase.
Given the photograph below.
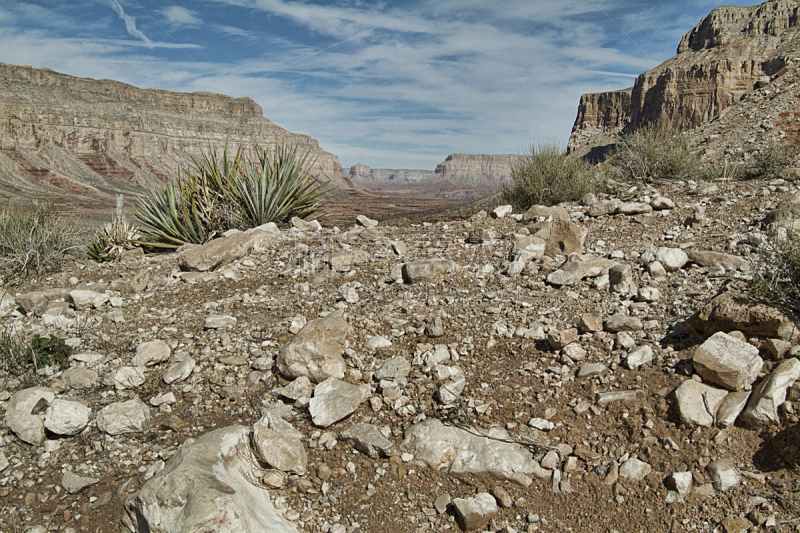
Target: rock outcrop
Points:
(474, 170)
(717, 63)
(400, 176)
(83, 140)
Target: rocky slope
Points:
(563, 369)
(717, 63)
(82, 140)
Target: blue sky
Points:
(389, 84)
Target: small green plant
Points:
(221, 192)
(771, 161)
(18, 357)
(110, 240)
(650, 155)
(721, 170)
(546, 175)
(776, 271)
(35, 238)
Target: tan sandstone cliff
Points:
(473, 170)
(717, 63)
(83, 140)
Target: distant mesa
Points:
(83, 141)
(458, 170)
(717, 63)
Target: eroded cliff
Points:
(474, 170)
(82, 140)
(717, 63)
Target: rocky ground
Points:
(426, 376)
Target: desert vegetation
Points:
(548, 176)
(228, 191)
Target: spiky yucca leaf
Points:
(219, 193)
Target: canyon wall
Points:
(717, 63)
(82, 141)
(474, 170)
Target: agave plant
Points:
(219, 193)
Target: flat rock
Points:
(298, 388)
(542, 211)
(736, 311)
(502, 211)
(206, 486)
(589, 370)
(151, 353)
(179, 370)
(633, 208)
(428, 269)
(73, 483)
(769, 394)
(709, 259)
(219, 322)
(129, 377)
(335, 400)
(64, 417)
(396, 367)
(603, 207)
(605, 398)
(368, 440)
(82, 299)
(366, 222)
(120, 418)
(316, 350)
(579, 267)
(19, 418)
(460, 452)
(562, 236)
(727, 362)
(698, 403)
(731, 408)
(473, 513)
(80, 378)
(216, 253)
(618, 323)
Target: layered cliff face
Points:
(474, 170)
(717, 63)
(400, 176)
(83, 141)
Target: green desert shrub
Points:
(546, 175)
(110, 240)
(771, 161)
(776, 271)
(715, 170)
(19, 357)
(649, 155)
(222, 192)
(35, 238)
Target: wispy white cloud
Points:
(180, 16)
(130, 22)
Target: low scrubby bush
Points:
(222, 192)
(548, 176)
(650, 155)
(776, 271)
(770, 161)
(35, 238)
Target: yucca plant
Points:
(219, 193)
(113, 238)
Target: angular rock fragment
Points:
(734, 311)
(73, 483)
(727, 362)
(473, 513)
(316, 351)
(335, 400)
(578, 267)
(368, 440)
(396, 367)
(216, 253)
(206, 486)
(151, 353)
(638, 357)
(673, 259)
(724, 474)
(80, 378)
(179, 370)
(698, 403)
(280, 449)
(119, 418)
(458, 451)
(769, 394)
(634, 470)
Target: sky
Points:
(389, 84)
